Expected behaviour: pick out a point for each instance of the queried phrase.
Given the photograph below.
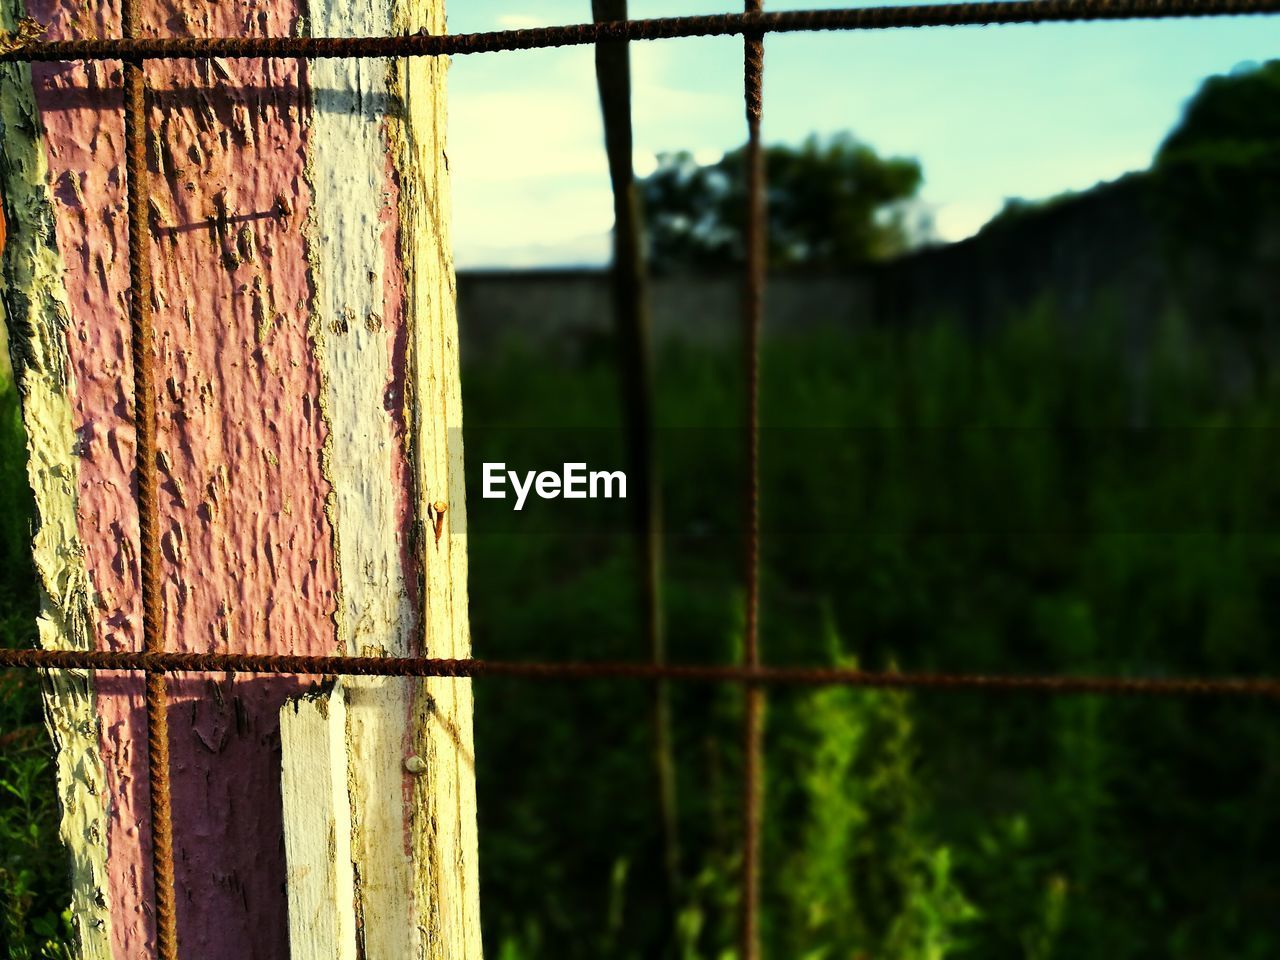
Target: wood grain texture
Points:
(317, 818)
(33, 301)
(395, 726)
(309, 416)
(356, 321)
(446, 865)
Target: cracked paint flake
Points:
(247, 548)
(309, 407)
(33, 301)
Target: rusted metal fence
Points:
(752, 26)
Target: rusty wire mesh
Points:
(753, 24)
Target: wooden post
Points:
(309, 438)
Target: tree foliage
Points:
(1217, 174)
(1232, 114)
(831, 203)
(1215, 190)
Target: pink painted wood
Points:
(248, 547)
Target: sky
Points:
(991, 113)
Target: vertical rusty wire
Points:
(634, 335)
(144, 414)
(753, 319)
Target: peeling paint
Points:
(33, 301)
(308, 414)
(443, 805)
(346, 159)
(355, 279)
(246, 546)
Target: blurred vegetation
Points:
(1047, 499)
(33, 869)
(832, 202)
(931, 501)
(1214, 186)
(1215, 190)
(1229, 121)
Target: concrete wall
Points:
(1100, 250)
(571, 308)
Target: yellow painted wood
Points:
(416, 882)
(33, 300)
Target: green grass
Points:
(1038, 500)
(34, 890)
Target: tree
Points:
(1216, 172)
(831, 203)
(1216, 194)
(1231, 114)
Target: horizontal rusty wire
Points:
(779, 676)
(791, 21)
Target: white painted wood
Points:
(414, 847)
(317, 820)
(347, 167)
